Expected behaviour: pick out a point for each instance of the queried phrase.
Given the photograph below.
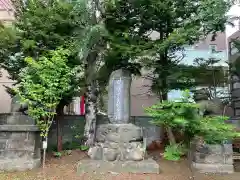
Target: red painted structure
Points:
(82, 105)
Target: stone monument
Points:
(119, 144)
(210, 158)
(20, 142)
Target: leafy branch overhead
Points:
(39, 27)
(43, 83)
(150, 32)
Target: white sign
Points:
(44, 144)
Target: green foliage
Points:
(174, 152)
(174, 25)
(57, 154)
(41, 26)
(67, 152)
(174, 114)
(84, 148)
(8, 38)
(71, 145)
(77, 130)
(215, 130)
(184, 116)
(43, 83)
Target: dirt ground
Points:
(65, 169)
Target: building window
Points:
(213, 48)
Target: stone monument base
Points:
(19, 164)
(115, 142)
(213, 168)
(20, 143)
(216, 158)
(147, 166)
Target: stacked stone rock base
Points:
(119, 148)
(214, 159)
(19, 143)
(148, 166)
(122, 142)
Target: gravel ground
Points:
(65, 169)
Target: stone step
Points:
(99, 166)
(213, 168)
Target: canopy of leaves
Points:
(184, 117)
(174, 24)
(43, 83)
(41, 26)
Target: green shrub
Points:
(173, 152)
(185, 117)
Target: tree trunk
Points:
(170, 134)
(59, 116)
(91, 99)
(91, 114)
(91, 81)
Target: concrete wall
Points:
(73, 125)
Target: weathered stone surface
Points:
(136, 154)
(16, 154)
(209, 158)
(98, 166)
(4, 135)
(228, 159)
(216, 148)
(19, 164)
(96, 153)
(18, 128)
(217, 159)
(118, 132)
(14, 144)
(118, 142)
(110, 154)
(213, 168)
(119, 96)
(228, 149)
(3, 143)
(19, 145)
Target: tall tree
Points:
(174, 23)
(41, 26)
(153, 32)
(42, 84)
(91, 52)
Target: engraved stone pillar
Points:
(119, 97)
(119, 144)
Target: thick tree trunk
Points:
(91, 99)
(170, 134)
(91, 81)
(91, 114)
(59, 116)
